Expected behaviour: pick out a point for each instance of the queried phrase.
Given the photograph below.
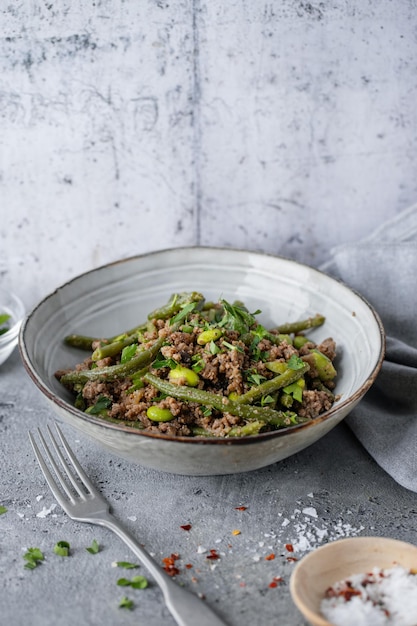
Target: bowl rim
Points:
(248, 440)
(378, 542)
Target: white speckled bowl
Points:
(118, 296)
(339, 560)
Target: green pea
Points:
(180, 373)
(157, 414)
(209, 335)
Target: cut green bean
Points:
(223, 404)
(176, 302)
(114, 348)
(300, 326)
(112, 372)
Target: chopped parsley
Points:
(94, 548)
(101, 405)
(33, 558)
(126, 565)
(295, 362)
(125, 603)
(137, 582)
(62, 548)
(128, 353)
(237, 317)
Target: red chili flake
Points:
(289, 547)
(242, 584)
(186, 527)
(275, 581)
(270, 557)
(213, 555)
(241, 508)
(291, 559)
(169, 564)
(273, 584)
(188, 565)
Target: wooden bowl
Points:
(338, 560)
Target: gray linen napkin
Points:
(383, 268)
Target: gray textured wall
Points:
(127, 127)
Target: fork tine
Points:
(81, 473)
(71, 477)
(48, 476)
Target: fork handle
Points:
(186, 608)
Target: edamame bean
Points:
(209, 335)
(183, 375)
(157, 414)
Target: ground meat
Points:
(314, 403)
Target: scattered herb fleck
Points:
(62, 548)
(94, 548)
(137, 582)
(33, 556)
(125, 603)
(126, 565)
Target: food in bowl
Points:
(380, 597)
(208, 369)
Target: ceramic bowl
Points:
(338, 560)
(118, 296)
(10, 305)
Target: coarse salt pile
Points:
(382, 597)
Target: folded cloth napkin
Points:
(383, 268)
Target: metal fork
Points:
(84, 503)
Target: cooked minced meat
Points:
(202, 369)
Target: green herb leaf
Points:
(139, 582)
(159, 363)
(295, 362)
(230, 346)
(94, 548)
(125, 603)
(4, 318)
(33, 557)
(126, 565)
(214, 348)
(128, 353)
(295, 390)
(237, 317)
(188, 308)
(102, 404)
(3, 509)
(255, 378)
(62, 548)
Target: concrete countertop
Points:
(331, 490)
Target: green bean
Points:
(112, 372)
(176, 302)
(111, 349)
(269, 386)
(298, 327)
(322, 364)
(79, 341)
(251, 428)
(223, 404)
(84, 342)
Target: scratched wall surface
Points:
(126, 127)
